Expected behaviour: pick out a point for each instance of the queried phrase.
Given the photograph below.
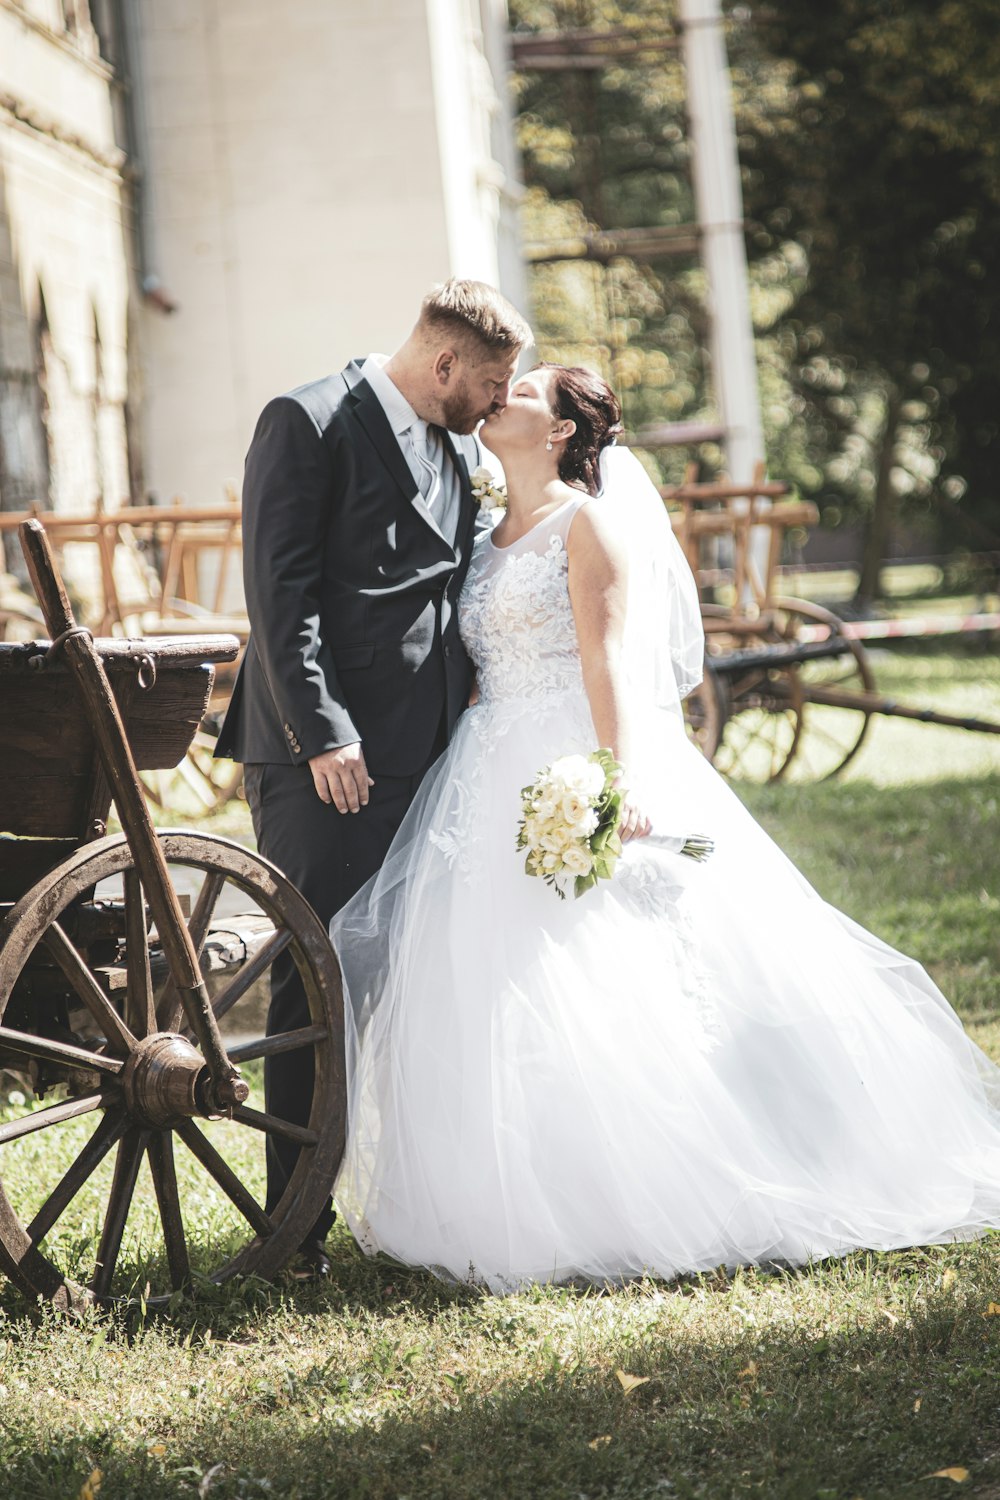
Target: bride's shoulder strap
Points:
(563, 518)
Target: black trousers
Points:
(328, 856)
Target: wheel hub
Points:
(166, 1080)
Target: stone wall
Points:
(306, 180)
(64, 277)
(206, 202)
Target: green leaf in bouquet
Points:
(606, 761)
(607, 841)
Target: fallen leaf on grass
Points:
(156, 1450)
(600, 1442)
(629, 1383)
(958, 1474)
(91, 1485)
(948, 1279)
(889, 1317)
(751, 1371)
(916, 1404)
(993, 1311)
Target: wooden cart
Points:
(131, 1143)
(145, 560)
(789, 689)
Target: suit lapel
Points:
(424, 512)
(369, 412)
(469, 508)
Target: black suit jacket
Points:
(351, 589)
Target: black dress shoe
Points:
(312, 1262)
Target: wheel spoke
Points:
(217, 1166)
(110, 1130)
(284, 1041)
(44, 1049)
(161, 1163)
(170, 1010)
(274, 1125)
(119, 1036)
(127, 1163)
(39, 1119)
(250, 972)
(204, 908)
(140, 1012)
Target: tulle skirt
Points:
(691, 1065)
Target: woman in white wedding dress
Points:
(690, 1065)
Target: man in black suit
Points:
(358, 523)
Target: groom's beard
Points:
(461, 411)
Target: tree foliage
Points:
(885, 168)
(869, 138)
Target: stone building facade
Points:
(205, 202)
(64, 265)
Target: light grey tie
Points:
(439, 481)
(423, 448)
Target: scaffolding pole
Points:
(719, 201)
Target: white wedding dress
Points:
(688, 1066)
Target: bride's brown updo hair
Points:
(580, 396)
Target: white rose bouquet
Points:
(570, 825)
(486, 490)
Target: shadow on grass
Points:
(874, 1408)
(868, 1410)
(356, 1284)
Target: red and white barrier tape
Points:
(883, 630)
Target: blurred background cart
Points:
(789, 688)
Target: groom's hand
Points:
(341, 777)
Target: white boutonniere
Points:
(486, 490)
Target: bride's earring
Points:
(548, 446)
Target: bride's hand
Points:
(634, 823)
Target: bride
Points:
(693, 1064)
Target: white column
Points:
(719, 202)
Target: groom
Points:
(358, 522)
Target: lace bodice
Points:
(515, 615)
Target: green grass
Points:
(850, 1379)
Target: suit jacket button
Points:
(297, 749)
(447, 650)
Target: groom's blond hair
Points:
(474, 315)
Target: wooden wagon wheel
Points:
(125, 1059)
(833, 726)
(199, 784)
(764, 704)
(705, 712)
